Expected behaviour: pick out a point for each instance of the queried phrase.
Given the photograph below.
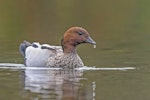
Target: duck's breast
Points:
(70, 60)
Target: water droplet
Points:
(94, 46)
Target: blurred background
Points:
(121, 29)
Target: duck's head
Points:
(75, 36)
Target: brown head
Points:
(75, 36)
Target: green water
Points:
(120, 28)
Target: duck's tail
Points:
(23, 46)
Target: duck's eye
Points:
(80, 33)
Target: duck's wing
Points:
(36, 55)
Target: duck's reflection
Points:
(57, 84)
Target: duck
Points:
(64, 56)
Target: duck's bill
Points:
(90, 40)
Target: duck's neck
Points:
(68, 47)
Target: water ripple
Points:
(21, 66)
